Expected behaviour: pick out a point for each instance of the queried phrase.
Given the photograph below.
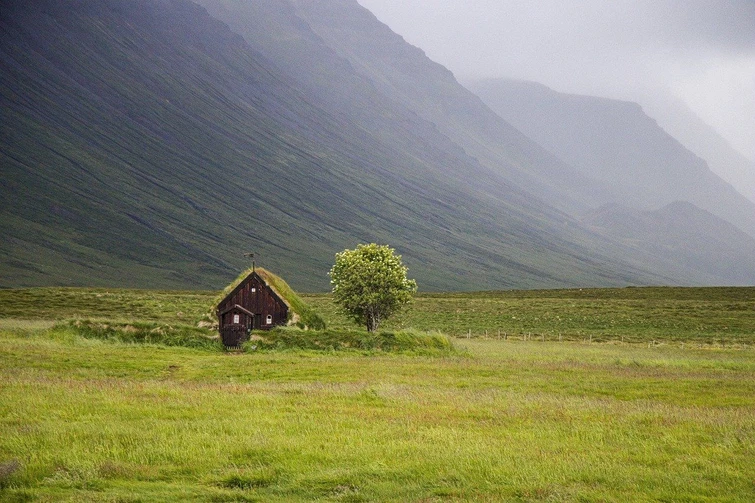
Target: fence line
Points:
(590, 338)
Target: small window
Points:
(269, 319)
(236, 318)
(254, 290)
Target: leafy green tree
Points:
(370, 284)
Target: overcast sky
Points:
(702, 51)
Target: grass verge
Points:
(405, 341)
(142, 333)
(279, 339)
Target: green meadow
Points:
(637, 394)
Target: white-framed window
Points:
(269, 319)
(236, 318)
(254, 290)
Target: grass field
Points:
(707, 316)
(500, 420)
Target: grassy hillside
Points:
(153, 147)
(683, 235)
(86, 420)
(707, 316)
(405, 74)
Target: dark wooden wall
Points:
(256, 297)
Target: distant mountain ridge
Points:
(427, 88)
(300, 32)
(616, 142)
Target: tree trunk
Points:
(373, 321)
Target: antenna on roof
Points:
(251, 256)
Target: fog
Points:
(699, 51)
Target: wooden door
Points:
(234, 335)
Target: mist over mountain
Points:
(699, 51)
(296, 33)
(683, 124)
(617, 143)
(153, 147)
(150, 143)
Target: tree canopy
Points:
(370, 284)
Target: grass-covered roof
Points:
(299, 311)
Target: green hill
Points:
(148, 144)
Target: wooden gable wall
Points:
(256, 305)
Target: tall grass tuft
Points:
(142, 333)
(7, 469)
(406, 341)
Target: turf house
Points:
(260, 300)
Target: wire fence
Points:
(692, 342)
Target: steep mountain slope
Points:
(683, 236)
(297, 33)
(143, 143)
(616, 142)
(683, 124)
